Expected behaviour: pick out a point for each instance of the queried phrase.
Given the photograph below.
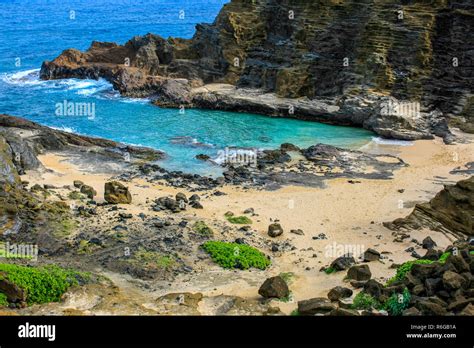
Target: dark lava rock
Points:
(274, 287)
(339, 292)
(275, 230)
(343, 262)
(318, 305)
(428, 243)
(359, 272)
(371, 255)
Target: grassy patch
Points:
(233, 255)
(365, 301)
(241, 220)
(154, 259)
(43, 284)
(202, 229)
(294, 313)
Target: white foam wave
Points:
(383, 141)
(65, 129)
(30, 78)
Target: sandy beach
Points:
(349, 215)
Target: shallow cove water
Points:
(35, 30)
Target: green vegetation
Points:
(233, 255)
(241, 220)
(405, 268)
(294, 313)
(444, 257)
(3, 300)
(154, 259)
(75, 195)
(397, 303)
(202, 229)
(329, 270)
(42, 284)
(365, 301)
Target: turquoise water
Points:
(33, 31)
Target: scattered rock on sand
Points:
(117, 193)
(318, 305)
(88, 191)
(343, 262)
(371, 255)
(274, 287)
(339, 292)
(275, 230)
(359, 272)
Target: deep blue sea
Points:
(32, 31)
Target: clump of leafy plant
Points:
(241, 220)
(3, 300)
(329, 270)
(406, 267)
(365, 301)
(397, 303)
(42, 284)
(202, 229)
(233, 255)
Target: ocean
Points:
(36, 30)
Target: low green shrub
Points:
(365, 301)
(233, 255)
(397, 303)
(404, 268)
(42, 284)
(329, 270)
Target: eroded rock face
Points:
(452, 209)
(344, 57)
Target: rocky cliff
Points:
(331, 61)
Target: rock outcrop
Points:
(337, 62)
(452, 210)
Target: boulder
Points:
(359, 272)
(339, 292)
(78, 184)
(428, 243)
(452, 280)
(181, 197)
(274, 287)
(371, 255)
(430, 308)
(343, 262)
(318, 305)
(275, 230)
(116, 193)
(343, 312)
(88, 191)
